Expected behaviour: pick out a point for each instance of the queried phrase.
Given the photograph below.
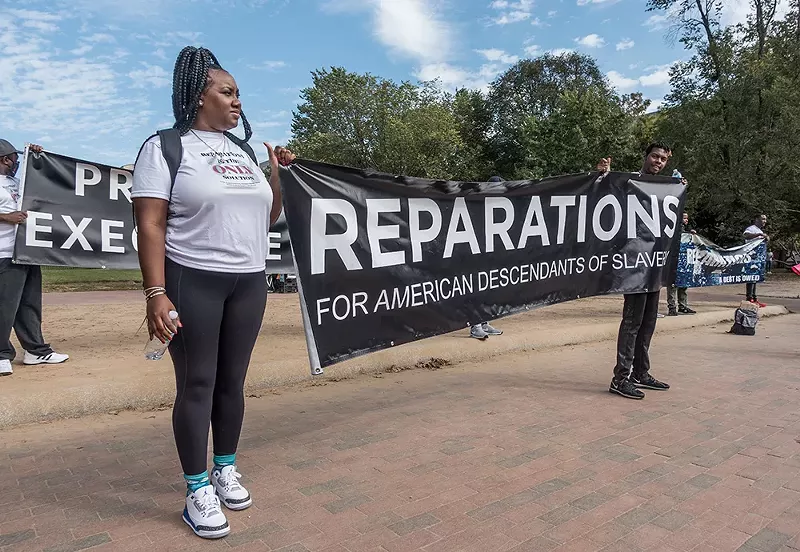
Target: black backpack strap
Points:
(172, 150)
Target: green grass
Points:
(89, 279)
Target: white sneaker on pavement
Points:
(5, 368)
(204, 514)
(52, 358)
(230, 491)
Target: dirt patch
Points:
(431, 364)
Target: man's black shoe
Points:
(626, 389)
(672, 312)
(649, 382)
(686, 310)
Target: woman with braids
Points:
(202, 249)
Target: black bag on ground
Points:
(745, 320)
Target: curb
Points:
(159, 391)
(456, 352)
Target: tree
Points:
(473, 118)
(344, 116)
(368, 122)
(731, 116)
(558, 114)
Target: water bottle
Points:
(154, 350)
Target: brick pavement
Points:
(526, 453)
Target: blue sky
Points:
(92, 78)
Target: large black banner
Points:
(385, 260)
(79, 215)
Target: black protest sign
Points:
(79, 215)
(385, 260)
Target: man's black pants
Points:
(21, 309)
(639, 317)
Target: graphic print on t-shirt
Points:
(233, 167)
(11, 185)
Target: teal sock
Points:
(222, 460)
(195, 482)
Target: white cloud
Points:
(658, 22)
(736, 11)
(410, 28)
(150, 76)
(552, 13)
(269, 65)
(591, 41)
(274, 119)
(42, 26)
(663, 20)
(625, 44)
(655, 105)
(621, 82)
(48, 89)
(42, 22)
(513, 12)
(494, 54)
(413, 29)
(588, 2)
(658, 76)
(452, 77)
(170, 39)
(98, 38)
(81, 50)
(33, 15)
(533, 50)
(560, 51)
(512, 17)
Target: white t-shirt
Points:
(219, 212)
(9, 202)
(753, 229)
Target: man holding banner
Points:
(640, 312)
(20, 285)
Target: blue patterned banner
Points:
(703, 263)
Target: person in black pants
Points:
(639, 313)
(20, 285)
(752, 232)
(677, 298)
(202, 247)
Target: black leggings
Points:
(221, 315)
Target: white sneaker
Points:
(477, 332)
(52, 358)
(231, 493)
(204, 514)
(490, 330)
(5, 368)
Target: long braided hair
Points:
(189, 81)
